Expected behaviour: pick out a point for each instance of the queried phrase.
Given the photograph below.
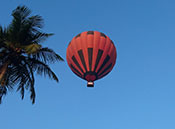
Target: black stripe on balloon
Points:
(112, 42)
(77, 64)
(78, 35)
(103, 35)
(90, 32)
(80, 53)
(102, 75)
(100, 52)
(104, 63)
(90, 53)
(76, 71)
(107, 68)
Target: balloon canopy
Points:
(91, 55)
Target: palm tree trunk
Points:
(3, 70)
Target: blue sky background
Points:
(139, 93)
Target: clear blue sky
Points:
(140, 91)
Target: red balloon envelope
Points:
(91, 55)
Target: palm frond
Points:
(36, 21)
(39, 37)
(19, 18)
(3, 35)
(42, 69)
(20, 73)
(31, 81)
(33, 95)
(21, 12)
(3, 91)
(25, 30)
(47, 56)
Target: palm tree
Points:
(21, 53)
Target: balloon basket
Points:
(90, 84)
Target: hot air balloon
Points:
(91, 55)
